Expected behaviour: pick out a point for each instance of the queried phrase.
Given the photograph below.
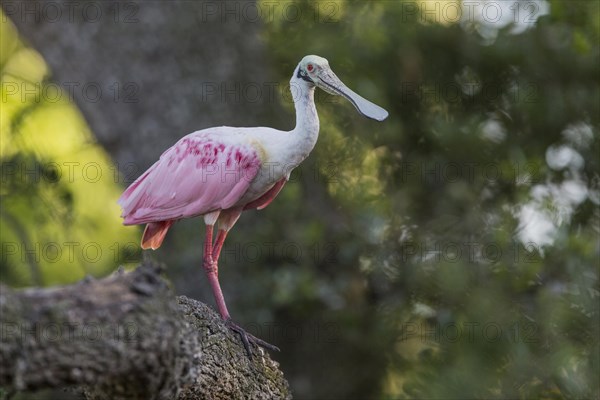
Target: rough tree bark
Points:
(127, 336)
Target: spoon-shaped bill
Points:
(332, 84)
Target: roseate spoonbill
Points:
(220, 172)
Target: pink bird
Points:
(219, 172)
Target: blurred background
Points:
(451, 251)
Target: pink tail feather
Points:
(155, 233)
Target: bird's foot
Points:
(248, 338)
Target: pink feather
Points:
(199, 174)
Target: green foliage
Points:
(450, 251)
(476, 242)
(58, 212)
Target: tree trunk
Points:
(146, 73)
(127, 336)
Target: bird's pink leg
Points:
(227, 218)
(216, 252)
(211, 257)
(212, 272)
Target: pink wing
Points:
(199, 174)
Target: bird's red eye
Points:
(310, 67)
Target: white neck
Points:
(306, 131)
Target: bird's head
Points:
(315, 71)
